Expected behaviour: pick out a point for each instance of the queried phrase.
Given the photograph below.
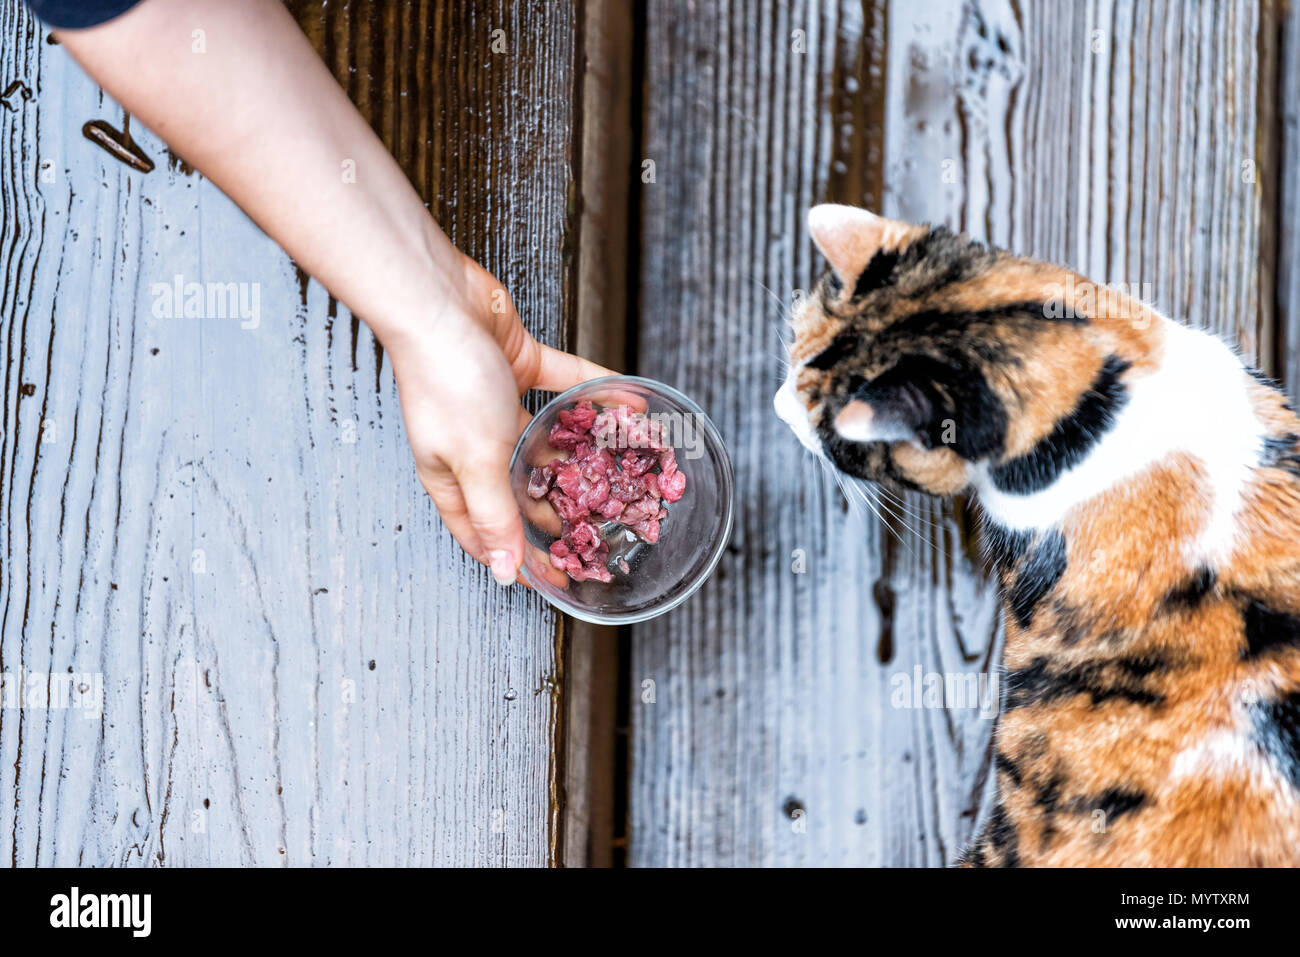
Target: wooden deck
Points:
(1134, 141)
(300, 666)
(216, 522)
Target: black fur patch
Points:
(1280, 453)
(1038, 575)
(842, 346)
(1001, 836)
(1040, 683)
(1072, 437)
(1277, 730)
(1072, 623)
(1268, 628)
(1188, 596)
(1008, 766)
(1004, 546)
(1139, 666)
(1116, 802)
(869, 460)
(1047, 798)
(877, 273)
(943, 324)
(940, 258)
(979, 418)
(933, 260)
(952, 396)
(902, 396)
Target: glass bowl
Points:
(697, 528)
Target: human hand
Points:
(460, 374)
(460, 355)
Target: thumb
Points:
(494, 515)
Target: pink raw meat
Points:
(592, 484)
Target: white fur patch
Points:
(1226, 753)
(794, 413)
(1196, 403)
(868, 427)
(1219, 753)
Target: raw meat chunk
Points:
(593, 484)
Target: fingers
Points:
(541, 566)
(539, 511)
(445, 492)
(558, 371)
(493, 515)
(475, 502)
(450, 502)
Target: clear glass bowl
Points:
(693, 535)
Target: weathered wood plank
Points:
(1287, 114)
(299, 666)
(601, 275)
(1118, 137)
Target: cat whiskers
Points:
(879, 498)
(786, 310)
(856, 496)
(902, 505)
(858, 493)
(783, 354)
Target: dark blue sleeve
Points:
(75, 14)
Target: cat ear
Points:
(858, 422)
(855, 421)
(848, 237)
(892, 413)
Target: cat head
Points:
(922, 355)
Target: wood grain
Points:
(222, 525)
(1286, 115)
(600, 272)
(1118, 137)
(299, 665)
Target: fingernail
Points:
(502, 564)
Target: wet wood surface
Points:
(212, 538)
(220, 521)
(1135, 141)
(591, 653)
(1286, 117)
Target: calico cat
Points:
(1140, 499)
